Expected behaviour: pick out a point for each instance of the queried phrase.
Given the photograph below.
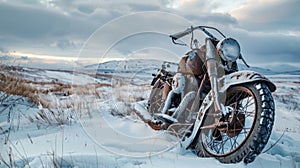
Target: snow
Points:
(109, 136)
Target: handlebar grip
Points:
(181, 34)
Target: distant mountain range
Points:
(149, 65)
(130, 66)
(267, 71)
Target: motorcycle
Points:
(227, 113)
(161, 80)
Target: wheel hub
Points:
(236, 123)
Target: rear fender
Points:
(241, 77)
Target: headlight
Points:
(229, 49)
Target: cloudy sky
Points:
(62, 30)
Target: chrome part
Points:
(229, 50)
(183, 104)
(181, 34)
(168, 102)
(207, 102)
(178, 83)
(212, 70)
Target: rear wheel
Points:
(155, 102)
(247, 129)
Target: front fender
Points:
(245, 76)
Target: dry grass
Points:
(16, 86)
(125, 94)
(58, 102)
(13, 85)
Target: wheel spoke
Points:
(222, 144)
(238, 97)
(245, 131)
(231, 144)
(235, 141)
(250, 103)
(241, 122)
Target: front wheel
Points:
(248, 129)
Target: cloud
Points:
(130, 33)
(203, 12)
(267, 30)
(3, 50)
(59, 23)
(24, 58)
(29, 22)
(38, 27)
(65, 44)
(272, 48)
(269, 16)
(220, 19)
(23, 21)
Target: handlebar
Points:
(181, 34)
(191, 29)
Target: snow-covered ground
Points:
(91, 125)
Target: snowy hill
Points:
(269, 71)
(90, 123)
(129, 66)
(148, 65)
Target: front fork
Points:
(215, 71)
(215, 98)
